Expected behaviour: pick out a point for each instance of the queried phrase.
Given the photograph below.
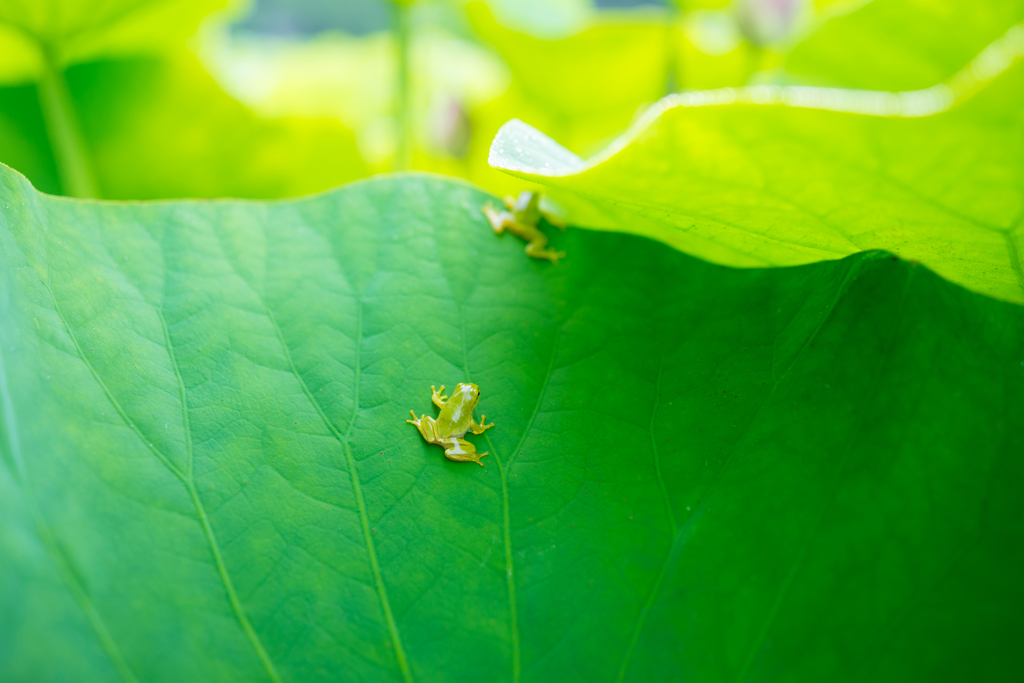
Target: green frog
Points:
(521, 219)
(455, 420)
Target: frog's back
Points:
(457, 413)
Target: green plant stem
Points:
(754, 60)
(403, 103)
(673, 77)
(69, 152)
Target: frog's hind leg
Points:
(503, 220)
(537, 248)
(461, 450)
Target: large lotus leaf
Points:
(777, 176)
(71, 31)
(161, 127)
(696, 473)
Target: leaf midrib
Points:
(211, 538)
(510, 582)
(656, 587)
(343, 440)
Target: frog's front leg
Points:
(426, 426)
(479, 428)
(437, 396)
(461, 450)
(499, 220)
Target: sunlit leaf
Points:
(899, 44)
(782, 176)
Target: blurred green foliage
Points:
(317, 110)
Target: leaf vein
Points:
(343, 439)
(211, 538)
(510, 581)
(805, 543)
(58, 556)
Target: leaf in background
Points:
(161, 127)
(592, 83)
(164, 128)
(152, 126)
(710, 51)
(352, 80)
(765, 176)
(900, 44)
(83, 30)
(24, 144)
(588, 85)
(806, 474)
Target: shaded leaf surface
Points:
(697, 473)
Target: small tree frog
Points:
(521, 219)
(455, 420)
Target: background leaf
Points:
(900, 44)
(74, 31)
(801, 473)
(583, 78)
(161, 127)
(150, 123)
(352, 80)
